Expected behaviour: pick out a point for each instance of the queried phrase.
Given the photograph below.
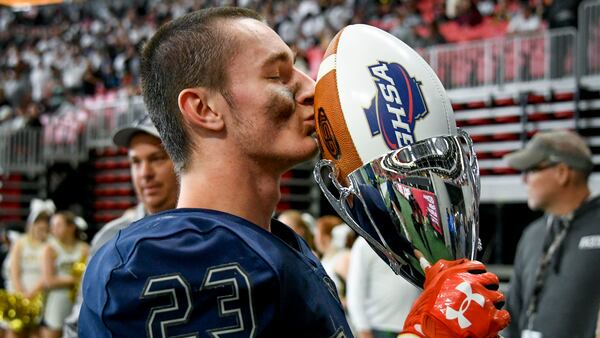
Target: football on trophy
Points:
(375, 94)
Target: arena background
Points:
(69, 74)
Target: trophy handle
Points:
(474, 172)
(343, 209)
(473, 164)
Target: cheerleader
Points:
(60, 254)
(25, 272)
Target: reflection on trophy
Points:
(395, 166)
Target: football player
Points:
(234, 114)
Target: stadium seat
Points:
(504, 101)
(505, 136)
(507, 119)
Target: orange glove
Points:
(460, 299)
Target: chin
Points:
(292, 159)
(152, 203)
(310, 153)
(533, 205)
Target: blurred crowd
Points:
(51, 55)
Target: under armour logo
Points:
(465, 288)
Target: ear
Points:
(197, 106)
(563, 174)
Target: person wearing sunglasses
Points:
(555, 286)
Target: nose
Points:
(306, 88)
(146, 169)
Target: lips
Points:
(309, 127)
(151, 190)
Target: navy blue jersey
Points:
(203, 273)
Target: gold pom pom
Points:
(19, 312)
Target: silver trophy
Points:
(417, 202)
(396, 168)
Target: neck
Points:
(569, 201)
(249, 193)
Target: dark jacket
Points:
(568, 301)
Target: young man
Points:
(555, 287)
(155, 184)
(234, 114)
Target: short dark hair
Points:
(191, 51)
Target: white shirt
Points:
(377, 298)
(520, 24)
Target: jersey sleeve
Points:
(95, 279)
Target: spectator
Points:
(525, 21)
(554, 287)
(38, 77)
(26, 258)
(403, 29)
(5, 247)
(293, 219)
(335, 256)
(434, 37)
(154, 182)
(561, 13)
(468, 14)
(431, 36)
(338, 14)
(63, 250)
(372, 292)
(486, 7)
(6, 110)
(502, 12)
(90, 81)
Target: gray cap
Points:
(560, 146)
(143, 125)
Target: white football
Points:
(375, 94)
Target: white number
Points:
(233, 276)
(175, 313)
(236, 304)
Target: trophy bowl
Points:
(419, 202)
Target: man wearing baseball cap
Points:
(554, 290)
(152, 174)
(155, 184)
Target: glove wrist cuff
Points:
(413, 331)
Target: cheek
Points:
(538, 188)
(135, 173)
(281, 105)
(165, 174)
(136, 177)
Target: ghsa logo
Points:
(396, 106)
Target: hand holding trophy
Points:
(400, 173)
